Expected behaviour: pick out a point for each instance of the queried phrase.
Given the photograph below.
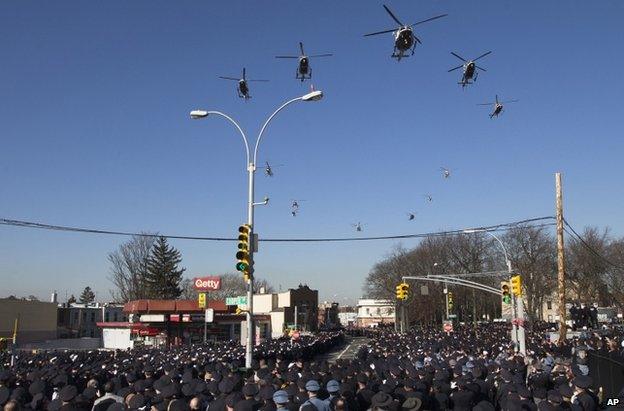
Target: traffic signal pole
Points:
(251, 169)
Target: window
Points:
(549, 305)
(106, 317)
(550, 318)
(92, 317)
(115, 316)
(367, 310)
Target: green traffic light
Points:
(507, 299)
(242, 266)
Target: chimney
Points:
(54, 297)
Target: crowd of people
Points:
(584, 315)
(423, 369)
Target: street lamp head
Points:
(313, 96)
(195, 114)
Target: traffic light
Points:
(243, 255)
(450, 301)
(505, 292)
(402, 291)
(516, 285)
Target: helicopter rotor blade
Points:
(301, 48)
(509, 101)
(480, 68)
(243, 73)
(380, 32)
(417, 40)
(393, 16)
(229, 78)
(432, 18)
(459, 57)
(496, 98)
(455, 68)
(321, 55)
(482, 55)
(485, 104)
(286, 57)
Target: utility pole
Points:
(474, 310)
(446, 299)
(560, 261)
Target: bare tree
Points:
(615, 275)
(533, 255)
(587, 268)
(128, 268)
(188, 290)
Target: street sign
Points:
(236, 301)
(201, 300)
(447, 327)
(207, 283)
(209, 316)
(452, 316)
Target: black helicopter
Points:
(268, 168)
(469, 68)
(304, 71)
(498, 106)
(243, 88)
(404, 38)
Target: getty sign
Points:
(207, 283)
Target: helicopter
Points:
(268, 168)
(358, 226)
(411, 216)
(446, 173)
(243, 88)
(428, 197)
(498, 106)
(404, 38)
(304, 71)
(469, 69)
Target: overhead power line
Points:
(497, 227)
(576, 236)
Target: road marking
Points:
(345, 350)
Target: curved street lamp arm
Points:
(266, 123)
(242, 133)
(507, 260)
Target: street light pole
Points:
(251, 169)
(517, 307)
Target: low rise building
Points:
(80, 320)
(374, 313)
(294, 308)
(35, 320)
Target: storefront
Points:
(177, 322)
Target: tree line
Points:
(594, 272)
(147, 267)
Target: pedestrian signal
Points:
(505, 292)
(516, 285)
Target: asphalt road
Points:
(347, 351)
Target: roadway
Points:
(347, 351)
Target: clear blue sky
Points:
(94, 126)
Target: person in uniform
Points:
(313, 387)
(593, 315)
(583, 398)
